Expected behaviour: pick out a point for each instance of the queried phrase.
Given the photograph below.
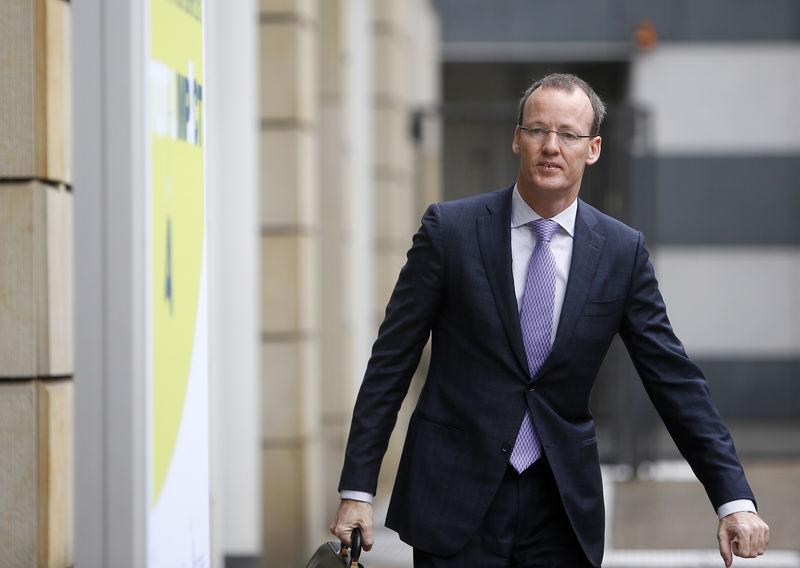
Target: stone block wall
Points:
(309, 265)
(290, 277)
(36, 284)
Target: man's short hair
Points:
(567, 82)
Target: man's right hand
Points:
(349, 515)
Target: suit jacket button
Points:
(530, 386)
(505, 448)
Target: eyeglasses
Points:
(540, 133)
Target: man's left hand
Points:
(743, 534)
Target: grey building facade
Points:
(701, 151)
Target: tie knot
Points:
(544, 229)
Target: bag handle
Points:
(353, 551)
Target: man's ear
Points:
(515, 141)
(595, 146)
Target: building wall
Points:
(324, 223)
(290, 277)
(336, 239)
(342, 187)
(405, 168)
(504, 24)
(36, 279)
(727, 154)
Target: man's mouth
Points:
(549, 165)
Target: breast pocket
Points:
(599, 321)
(603, 308)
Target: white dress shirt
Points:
(523, 240)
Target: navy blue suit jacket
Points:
(457, 287)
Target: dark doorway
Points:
(480, 107)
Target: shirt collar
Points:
(522, 214)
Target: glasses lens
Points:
(567, 138)
(541, 134)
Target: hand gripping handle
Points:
(354, 550)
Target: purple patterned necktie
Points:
(536, 320)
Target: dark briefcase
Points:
(337, 554)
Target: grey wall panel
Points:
(243, 562)
(616, 20)
(720, 98)
(736, 20)
(752, 200)
(520, 20)
(640, 201)
(754, 389)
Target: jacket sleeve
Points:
(410, 314)
(678, 389)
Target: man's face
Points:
(550, 169)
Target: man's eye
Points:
(569, 136)
(537, 131)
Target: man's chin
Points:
(550, 184)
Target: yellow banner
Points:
(178, 428)
(177, 221)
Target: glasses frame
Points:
(559, 135)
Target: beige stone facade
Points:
(36, 285)
(319, 247)
(310, 258)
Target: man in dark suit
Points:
(522, 291)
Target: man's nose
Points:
(550, 142)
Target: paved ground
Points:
(677, 514)
(664, 520)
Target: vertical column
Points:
(426, 101)
(361, 220)
(232, 162)
(396, 211)
(394, 204)
(335, 195)
(110, 292)
(36, 255)
(290, 263)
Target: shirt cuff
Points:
(737, 506)
(366, 496)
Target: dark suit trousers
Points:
(525, 527)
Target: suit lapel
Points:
(494, 240)
(587, 247)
